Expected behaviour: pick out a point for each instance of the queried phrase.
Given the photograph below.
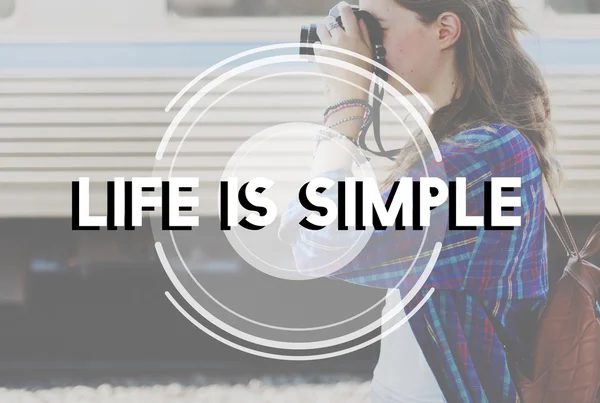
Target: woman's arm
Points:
(343, 84)
(391, 255)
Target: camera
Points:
(308, 33)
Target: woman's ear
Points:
(449, 29)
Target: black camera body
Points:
(308, 35)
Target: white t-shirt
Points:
(402, 373)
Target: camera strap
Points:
(380, 76)
(378, 93)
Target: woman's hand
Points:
(353, 37)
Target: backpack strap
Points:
(573, 250)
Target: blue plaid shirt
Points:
(482, 278)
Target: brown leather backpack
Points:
(565, 364)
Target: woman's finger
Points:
(333, 27)
(349, 19)
(323, 34)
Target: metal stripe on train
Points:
(560, 53)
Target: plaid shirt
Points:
(482, 278)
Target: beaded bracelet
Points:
(366, 121)
(358, 102)
(348, 119)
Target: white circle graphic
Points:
(215, 321)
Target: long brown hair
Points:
(498, 81)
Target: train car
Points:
(84, 87)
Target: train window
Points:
(7, 8)
(249, 8)
(575, 6)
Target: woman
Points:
(491, 120)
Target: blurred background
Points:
(83, 91)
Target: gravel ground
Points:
(196, 389)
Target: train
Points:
(84, 87)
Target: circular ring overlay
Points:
(281, 156)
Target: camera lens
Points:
(308, 35)
(304, 40)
